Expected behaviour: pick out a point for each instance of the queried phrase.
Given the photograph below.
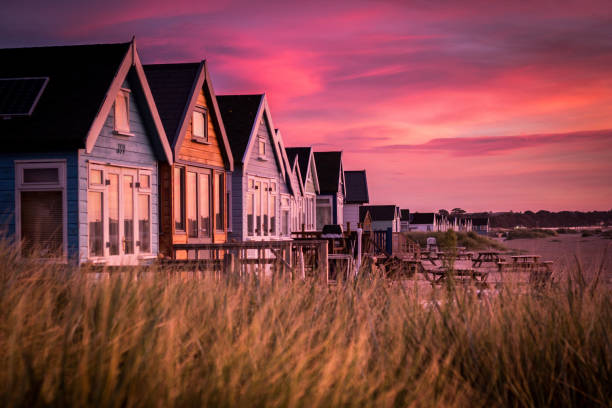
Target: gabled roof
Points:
(305, 159)
(379, 212)
(83, 83)
(329, 170)
(292, 175)
(405, 215)
(175, 88)
(356, 187)
(241, 117)
(422, 218)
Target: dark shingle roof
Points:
(378, 212)
(303, 154)
(329, 165)
(239, 112)
(356, 187)
(405, 215)
(422, 218)
(171, 86)
(79, 78)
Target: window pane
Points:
(48, 175)
(272, 215)
(262, 147)
(95, 177)
(144, 222)
(257, 208)
(179, 196)
(285, 222)
(145, 180)
(121, 112)
(264, 207)
(42, 222)
(204, 202)
(198, 125)
(192, 205)
(250, 214)
(94, 218)
(113, 214)
(219, 204)
(128, 214)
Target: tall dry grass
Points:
(69, 339)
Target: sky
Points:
(482, 105)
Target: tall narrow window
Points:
(204, 201)
(219, 202)
(192, 205)
(179, 199)
(113, 214)
(94, 218)
(122, 107)
(144, 222)
(250, 203)
(265, 208)
(41, 223)
(258, 208)
(261, 147)
(272, 215)
(199, 126)
(128, 214)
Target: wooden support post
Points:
(228, 263)
(300, 262)
(323, 261)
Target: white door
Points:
(121, 216)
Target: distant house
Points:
(456, 223)
(330, 200)
(383, 217)
(292, 205)
(81, 143)
(259, 179)
(428, 222)
(310, 180)
(193, 191)
(481, 225)
(356, 195)
(405, 220)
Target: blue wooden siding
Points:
(138, 153)
(268, 168)
(7, 194)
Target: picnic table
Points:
(487, 257)
(524, 261)
(441, 274)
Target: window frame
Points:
(272, 190)
(60, 185)
(204, 138)
(199, 171)
(122, 93)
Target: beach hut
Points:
(356, 195)
(306, 168)
(81, 143)
(193, 190)
(330, 200)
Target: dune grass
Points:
(470, 240)
(70, 338)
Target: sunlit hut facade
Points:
(303, 158)
(193, 190)
(259, 177)
(291, 205)
(82, 140)
(330, 200)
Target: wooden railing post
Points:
(323, 261)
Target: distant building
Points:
(383, 216)
(330, 200)
(481, 225)
(426, 222)
(405, 220)
(356, 196)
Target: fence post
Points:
(228, 263)
(323, 261)
(389, 241)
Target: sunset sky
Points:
(482, 105)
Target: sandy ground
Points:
(566, 250)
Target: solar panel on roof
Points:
(19, 96)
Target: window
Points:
(192, 204)
(40, 193)
(262, 207)
(204, 201)
(144, 222)
(285, 217)
(122, 112)
(324, 212)
(179, 198)
(94, 221)
(219, 202)
(261, 148)
(199, 128)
